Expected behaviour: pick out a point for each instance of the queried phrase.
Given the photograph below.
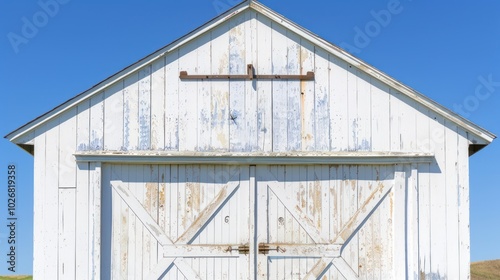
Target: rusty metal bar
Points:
(249, 76)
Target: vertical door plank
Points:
(399, 230)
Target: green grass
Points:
(485, 270)
(16, 277)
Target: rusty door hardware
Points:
(249, 76)
(242, 249)
(265, 248)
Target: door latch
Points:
(265, 248)
(242, 249)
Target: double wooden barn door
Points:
(247, 222)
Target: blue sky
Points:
(444, 49)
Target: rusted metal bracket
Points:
(242, 249)
(249, 76)
(265, 248)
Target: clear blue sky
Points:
(440, 48)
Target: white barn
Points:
(251, 149)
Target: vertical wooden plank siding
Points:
(424, 194)
(129, 174)
(113, 117)
(38, 207)
(204, 95)
(94, 252)
(145, 108)
(131, 112)
(438, 200)
(394, 120)
(352, 105)
(158, 104)
(368, 257)
(188, 97)
(67, 146)
(264, 88)
(51, 199)
(408, 123)
(339, 121)
(219, 105)
(451, 201)
(307, 96)
(66, 236)
(412, 222)
(321, 100)
(97, 122)
(251, 103)
(109, 196)
(399, 229)
(279, 88)
(237, 89)
(385, 175)
(82, 126)
(172, 100)
(293, 93)
(380, 116)
(463, 204)
(364, 107)
(107, 224)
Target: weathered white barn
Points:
(251, 149)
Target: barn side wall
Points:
(343, 110)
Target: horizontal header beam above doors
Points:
(163, 157)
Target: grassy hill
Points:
(485, 270)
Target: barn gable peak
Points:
(22, 136)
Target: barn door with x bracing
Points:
(324, 222)
(248, 222)
(177, 222)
